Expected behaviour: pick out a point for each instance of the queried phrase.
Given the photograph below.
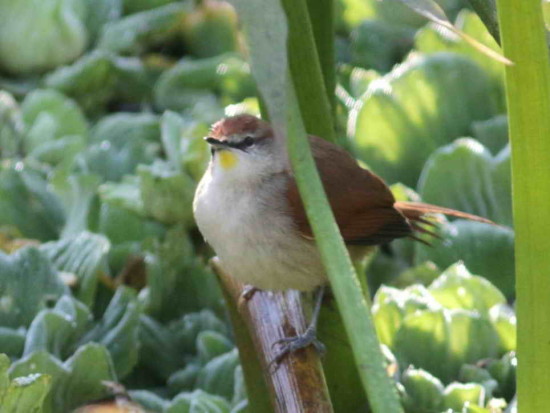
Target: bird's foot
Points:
(246, 295)
(289, 345)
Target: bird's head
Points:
(244, 146)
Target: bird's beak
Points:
(216, 144)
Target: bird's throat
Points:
(228, 160)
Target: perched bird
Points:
(248, 208)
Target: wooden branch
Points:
(298, 384)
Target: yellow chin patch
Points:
(228, 159)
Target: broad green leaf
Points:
(83, 255)
(504, 372)
(187, 328)
(441, 341)
(485, 250)
(63, 35)
(89, 367)
(423, 392)
(184, 379)
(68, 117)
(118, 331)
(434, 38)
(99, 78)
(492, 133)
(135, 6)
(505, 322)
(458, 395)
(159, 351)
(465, 176)
(12, 341)
(189, 80)
(51, 332)
(178, 282)
(377, 45)
(26, 394)
(218, 375)
(424, 103)
(121, 127)
(135, 34)
(456, 288)
(125, 194)
(148, 399)
(211, 344)
(77, 193)
(26, 202)
(211, 29)
(433, 12)
(197, 402)
(11, 126)
(28, 285)
(101, 12)
(474, 374)
(166, 193)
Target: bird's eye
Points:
(248, 141)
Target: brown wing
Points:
(362, 203)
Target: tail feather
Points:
(415, 211)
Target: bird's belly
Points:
(256, 241)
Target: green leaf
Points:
(12, 341)
(377, 45)
(101, 12)
(179, 87)
(504, 320)
(177, 282)
(26, 394)
(26, 202)
(139, 32)
(197, 402)
(68, 117)
(77, 193)
(458, 395)
(485, 250)
(441, 341)
(159, 350)
(83, 255)
(11, 125)
(465, 176)
(433, 38)
(187, 328)
(211, 344)
(89, 367)
(492, 133)
(62, 38)
(218, 375)
(120, 143)
(456, 288)
(166, 194)
(99, 78)
(28, 284)
(148, 400)
(420, 105)
(423, 392)
(211, 29)
(51, 332)
(118, 331)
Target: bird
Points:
(248, 209)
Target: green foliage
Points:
(102, 272)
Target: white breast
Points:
(253, 235)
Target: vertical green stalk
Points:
(343, 279)
(321, 15)
(306, 71)
(528, 96)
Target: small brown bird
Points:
(248, 208)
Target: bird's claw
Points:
(291, 344)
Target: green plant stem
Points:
(304, 65)
(343, 279)
(528, 97)
(321, 14)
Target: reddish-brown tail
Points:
(415, 211)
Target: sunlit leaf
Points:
(424, 103)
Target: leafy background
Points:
(103, 275)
